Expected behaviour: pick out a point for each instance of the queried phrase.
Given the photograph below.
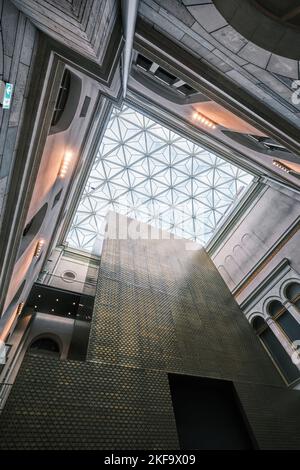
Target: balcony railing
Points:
(66, 283)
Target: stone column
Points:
(292, 309)
(286, 344)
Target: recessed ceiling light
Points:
(20, 308)
(65, 164)
(203, 119)
(38, 248)
(281, 166)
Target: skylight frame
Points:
(86, 237)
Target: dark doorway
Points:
(46, 346)
(207, 414)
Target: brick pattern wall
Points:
(160, 306)
(17, 52)
(273, 413)
(77, 405)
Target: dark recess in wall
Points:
(207, 414)
(85, 106)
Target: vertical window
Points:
(61, 98)
(275, 350)
(285, 320)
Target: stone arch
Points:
(285, 285)
(268, 301)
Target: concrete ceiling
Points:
(198, 27)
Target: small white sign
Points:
(7, 95)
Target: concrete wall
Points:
(270, 217)
(200, 29)
(48, 184)
(83, 267)
(84, 26)
(18, 41)
(95, 27)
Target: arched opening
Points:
(293, 294)
(32, 229)
(46, 346)
(285, 320)
(275, 349)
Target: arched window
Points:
(45, 345)
(32, 229)
(275, 350)
(293, 294)
(285, 320)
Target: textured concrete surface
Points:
(77, 405)
(84, 26)
(159, 306)
(274, 415)
(17, 42)
(199, 28)
(257, 235)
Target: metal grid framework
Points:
(148, 172)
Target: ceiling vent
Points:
(164, 76)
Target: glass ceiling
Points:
(154, 175)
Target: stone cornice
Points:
(280, 270)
